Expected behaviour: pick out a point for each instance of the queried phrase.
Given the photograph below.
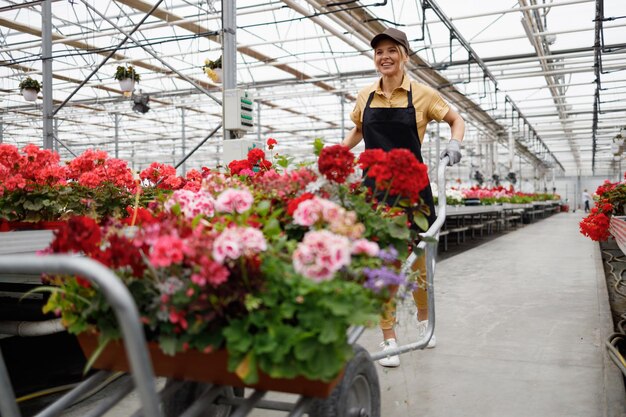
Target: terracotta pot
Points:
(201, 367)
(9, 226)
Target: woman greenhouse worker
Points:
(393, 113)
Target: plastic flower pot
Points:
(29, 94)
(127, 85)
(193, 365)
(218, 75)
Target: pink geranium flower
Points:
(167, 250)
(320, 254)
(231, 201)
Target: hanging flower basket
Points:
(29, 94)
(218, 75)
(30, 88)
(127, 76)
(127, 85)
(213, 69)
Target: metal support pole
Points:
(520, 172)
(511, 150)
(151, 53)
(258, 121)
(438, 148)
(46, 64)
(55, 143)
(229, 52)
(117, 135)
(343, 119)
(1, 130)
(198, 146)
(104, 61)
(184, 138)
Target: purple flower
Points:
(389, 254)
(383, 277)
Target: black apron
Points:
(391, 128)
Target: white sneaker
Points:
(421, 332)
(389, 361)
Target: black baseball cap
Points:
(395, 35)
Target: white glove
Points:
(453, 151)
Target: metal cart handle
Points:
(123, 306)
(431, 251)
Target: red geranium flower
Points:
(336, 163)
(270, 143)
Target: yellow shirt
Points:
(427, 102)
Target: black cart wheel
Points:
(188, 392)
(356, 395)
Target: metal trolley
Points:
(356, 395)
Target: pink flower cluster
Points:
(235, 242)
(284, 185)
(365, 247)
(167, 250)
(192, 203)
(315, 210)
(234, 201)
(320, 254)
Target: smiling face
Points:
(389, 58)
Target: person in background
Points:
(586, 201)
(393, 113)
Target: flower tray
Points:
(10, 226)
(197, 366)
(617, 228)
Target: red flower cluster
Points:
(93, 168)
(596, 225)
(27, 170)
(271, 142)
(162, 176)
(79, 234)
(336, 163)
(397, 171)
(255, 159)
(606, 187)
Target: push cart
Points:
(357, 393)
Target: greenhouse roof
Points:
(547, 77)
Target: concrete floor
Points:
(521, 323)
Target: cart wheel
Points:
(188, 392)
(356, 395)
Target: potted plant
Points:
(127, 76)
(213, 69)
(30, 88)
(253, 265)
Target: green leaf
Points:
(421, 221)
(95, 355)
(32, 205)
(168, 344)
(318, 145)
(305, 349)
(272, 228)
(329, 332)
(263, 207)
